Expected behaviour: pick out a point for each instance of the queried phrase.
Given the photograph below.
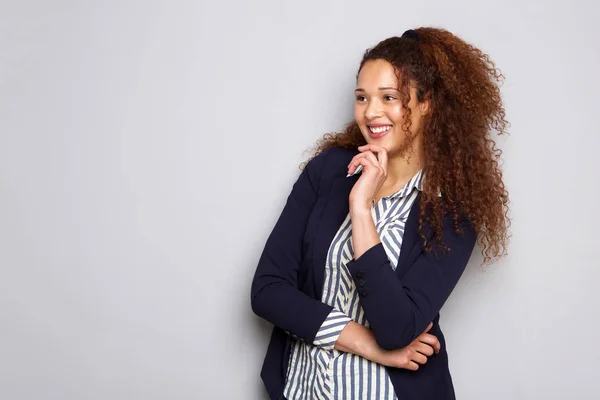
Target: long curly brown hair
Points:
(461, 159)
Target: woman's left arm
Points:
(398, 310)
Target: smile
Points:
(379, 131)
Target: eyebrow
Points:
(381, 88)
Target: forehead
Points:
(377, 73)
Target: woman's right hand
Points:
(413, 355)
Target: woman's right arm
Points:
(360, 340)
(274, 294)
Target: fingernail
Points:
(356, 171)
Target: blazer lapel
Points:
(412, 243)
(335, 212)
(410, 237)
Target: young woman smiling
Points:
(381, 224)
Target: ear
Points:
(425, 106)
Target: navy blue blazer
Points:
(288, 283)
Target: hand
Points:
(413, 355)
(374, 162)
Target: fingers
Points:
(381, 153)
(371, 157)
(430, 340)
(424, 349)
(413, 366)
(409, 358)
(429, 327)
(419, 358)
(366, 159)
(417, 353)
(375, 154)
(371, 147)
(354, 163)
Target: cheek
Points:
(395, 114)
(359, 115)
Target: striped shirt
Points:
(318, 371)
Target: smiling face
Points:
(378, 109)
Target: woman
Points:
(381, 224)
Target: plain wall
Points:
(147, 148)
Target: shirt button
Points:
(359, 274)
(361, 283)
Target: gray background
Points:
(147, 147)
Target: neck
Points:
(401, 168)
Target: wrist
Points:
(360, 211)
(375, 353)
(370, 349)
(359, 340)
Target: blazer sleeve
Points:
(274, 293)
(399, 309)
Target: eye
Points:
(388, 97)
(360, 98)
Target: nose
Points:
(374, 109)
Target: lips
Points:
(377, 131)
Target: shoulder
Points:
(326, 167)
(331, 163)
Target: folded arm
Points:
(398, 310)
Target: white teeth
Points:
(379, 129)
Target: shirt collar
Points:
(416, 182)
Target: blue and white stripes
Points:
(331, 329)
(319, 371)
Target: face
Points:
(378, 109)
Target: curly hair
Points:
(461, 159)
